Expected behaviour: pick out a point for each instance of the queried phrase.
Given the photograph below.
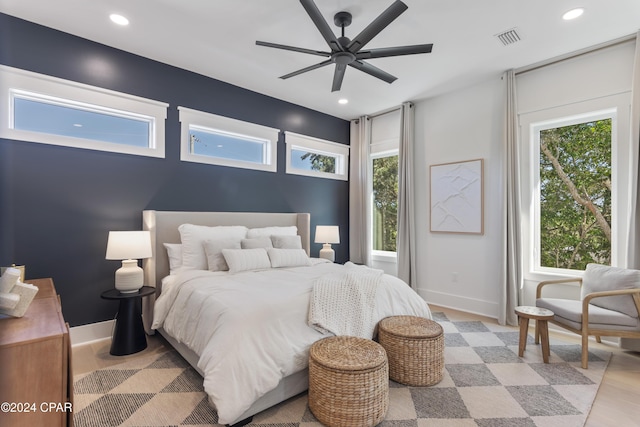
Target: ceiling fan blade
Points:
(323, 27)
(373, 71)
(394, 51)
(378, 24)
(309, 68)
(338, 76)
(293, 48)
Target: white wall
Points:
(461, 270)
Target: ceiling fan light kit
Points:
(345, 51)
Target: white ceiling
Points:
(217, 38)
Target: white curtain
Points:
(359, 217)
(405, 241)
(633, 259)
(512, 270)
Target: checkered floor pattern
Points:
(485, 384)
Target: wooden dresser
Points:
(35, 363)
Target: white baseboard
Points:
(457, 302)
(86, 334)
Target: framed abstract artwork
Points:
(456, 197)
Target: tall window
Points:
(575, 194)
(575, 186)
(385, 202)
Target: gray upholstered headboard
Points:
(163, 226)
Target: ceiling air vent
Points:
(508, 37)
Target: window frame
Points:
(318, 146)
(17, 83)
(204, 121)
(614, 107)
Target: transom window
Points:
(217, 140)
(60, 112)
(316, 157)
(53, 116)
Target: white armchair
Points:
(609, 305)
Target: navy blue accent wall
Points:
(58, 204)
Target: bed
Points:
(275, 299)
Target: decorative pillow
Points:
(259, 242)
(270, 231)
(174, 252)
(213, 249)
(606, 278)
(286, 242)
(246, 259)
(192, 236)
(288, 257)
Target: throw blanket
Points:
(345, 304)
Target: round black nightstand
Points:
(128, 334)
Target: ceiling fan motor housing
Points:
(343, 58)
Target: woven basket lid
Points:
(411, 327)
(348, 353)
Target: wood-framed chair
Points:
(609, 305)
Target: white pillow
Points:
(246, 259)
(193, 236)
(288, 257)
(259, 242)
(599, 277)
(213, 249)
(286, 242)
(174, 252)
(270, 231)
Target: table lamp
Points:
(327, 234)
(129, 246)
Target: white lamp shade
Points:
(327, 234)
(129, 245)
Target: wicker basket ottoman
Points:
(415, 348)
(348, 381)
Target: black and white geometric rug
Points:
(485, 384)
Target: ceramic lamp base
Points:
(327, 253)
(129, 277)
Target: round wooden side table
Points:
(541, 316)
(128, 335)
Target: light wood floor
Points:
(617, 403)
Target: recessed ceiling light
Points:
(343, 101)
(573, 14)
(118, 19)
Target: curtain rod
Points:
(575, 54)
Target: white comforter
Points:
(250, 329)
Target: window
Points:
(578, 175)
(217, 140)
(574, 201)
(385, 202)
(54, 111)
(316, 157)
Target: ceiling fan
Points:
(349, 52)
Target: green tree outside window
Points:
(575, 195)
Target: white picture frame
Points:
(456, 198)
